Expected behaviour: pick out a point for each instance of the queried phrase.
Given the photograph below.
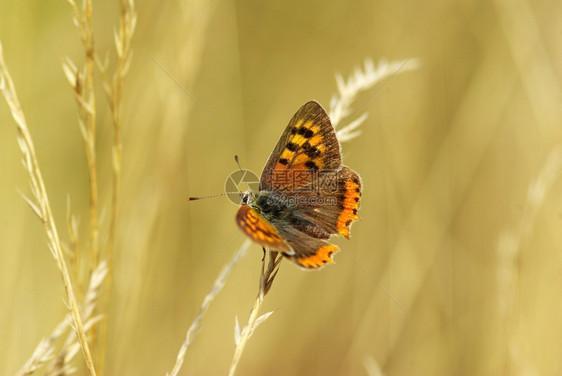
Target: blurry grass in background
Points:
(459, 160)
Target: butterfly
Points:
(305, 193)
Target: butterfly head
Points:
(248, 197)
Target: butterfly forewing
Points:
(259, 229)
(307, 145)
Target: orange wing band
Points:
(259, 230)
(350, 207)
(322, 257)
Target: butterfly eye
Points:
(245, 198)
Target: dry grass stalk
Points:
(45, 350)
(267, 277)
(40, 203)
(84, 92)
(72, 250)
(361, 80)
(217, 287)
(113, 88)
(61, 364)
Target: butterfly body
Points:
(281, 210)
(306, 194)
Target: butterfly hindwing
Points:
(336, 204)
(307, 145)
(309, 252)
(348, 200)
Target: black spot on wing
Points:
(292, 146)
(311, 165)
(311, 151)
(306, 133)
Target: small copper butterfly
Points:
(305, 193)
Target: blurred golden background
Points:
(460, 161)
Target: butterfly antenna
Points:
(237, 161)
(241, 170)
(212, 196)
